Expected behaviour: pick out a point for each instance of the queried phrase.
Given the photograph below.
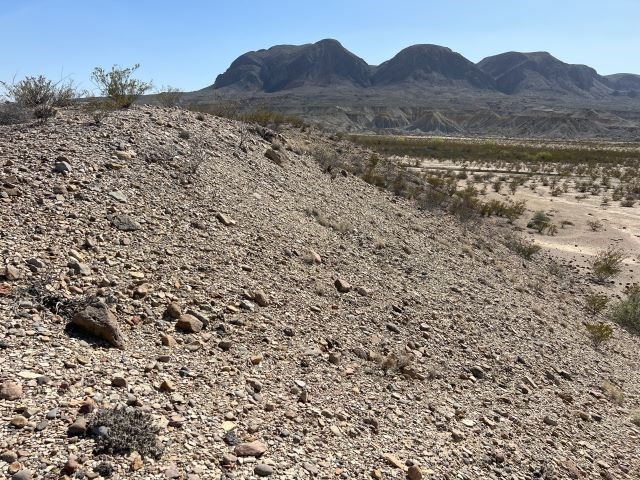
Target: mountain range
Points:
(432, 89)
(328, 64)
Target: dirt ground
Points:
(576, 244)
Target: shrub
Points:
(595, 303)
(33, 92)
(540, 221)
(599, 332)
(118, 86)
(595, 225)
(627, 312)
(38, 96)
(169, 96)
(523, 248)
(126, 430)
(607, 264)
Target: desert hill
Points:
(279, 318)
(325, 83)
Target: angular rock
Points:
(11, 273)
(226, 220)
(10, 390)
(99, 321)
(189, 324)
(173, 311)
(125, 223)
(251, 449)
(276, 157)
(342, 285)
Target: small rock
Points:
(18, 421)
(10, 390)
(225, 219)
(11, 273)
(77, 428)
(263, 470)
(414, 473)
(251, 449)
(125, 223)
(119, 382)
(23, 474)
(173, 311)
(189, 324)
(478, 372)
(342, 285)
(276, 157)
(62, 167)
(550, 420)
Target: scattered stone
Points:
(10, 390)
(11, 273)
(263, 470)
(478, 372)
(226, 220)
(342, 285)
(77, 428)
(173, 311)
(276, 157)
(414, 473)
(62, 167)
(23, 474)
(19, 421)
(125, 223)
(251, 449)
(101, 322)
(551, 420)
(188, 324)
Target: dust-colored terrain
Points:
(275, 318)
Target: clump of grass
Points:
(595, 303)
(125, 430)
(613, 392)
(626, 313)
(599, 333)
(522, 247)
(607, 264)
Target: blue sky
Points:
(187, 43)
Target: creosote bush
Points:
(118, 85)
(607, 264)
(38, 95)
(540, 221)
(522, 247)
(595, 303)
(599, 332)
(125, 430)
(626, 313)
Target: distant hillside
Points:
(516, 72)
(283, 67)
(430, 89)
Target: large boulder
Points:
(99, 321)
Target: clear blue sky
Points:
(187, 43)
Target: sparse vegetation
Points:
(118, 86)
(595, 303)
(169, 96)
(523, 248)
(540, 222)
(613, 392)
(38, 95)
(626, 312)
(125, 430)
(599, 333)
(607, 264)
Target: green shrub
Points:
(607, 264)
(599, 332)
(595, 303)
(540, 221)
(118, 86)
(39, 96)
(627, 312)
(523, 248)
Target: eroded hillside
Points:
(282, 321)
